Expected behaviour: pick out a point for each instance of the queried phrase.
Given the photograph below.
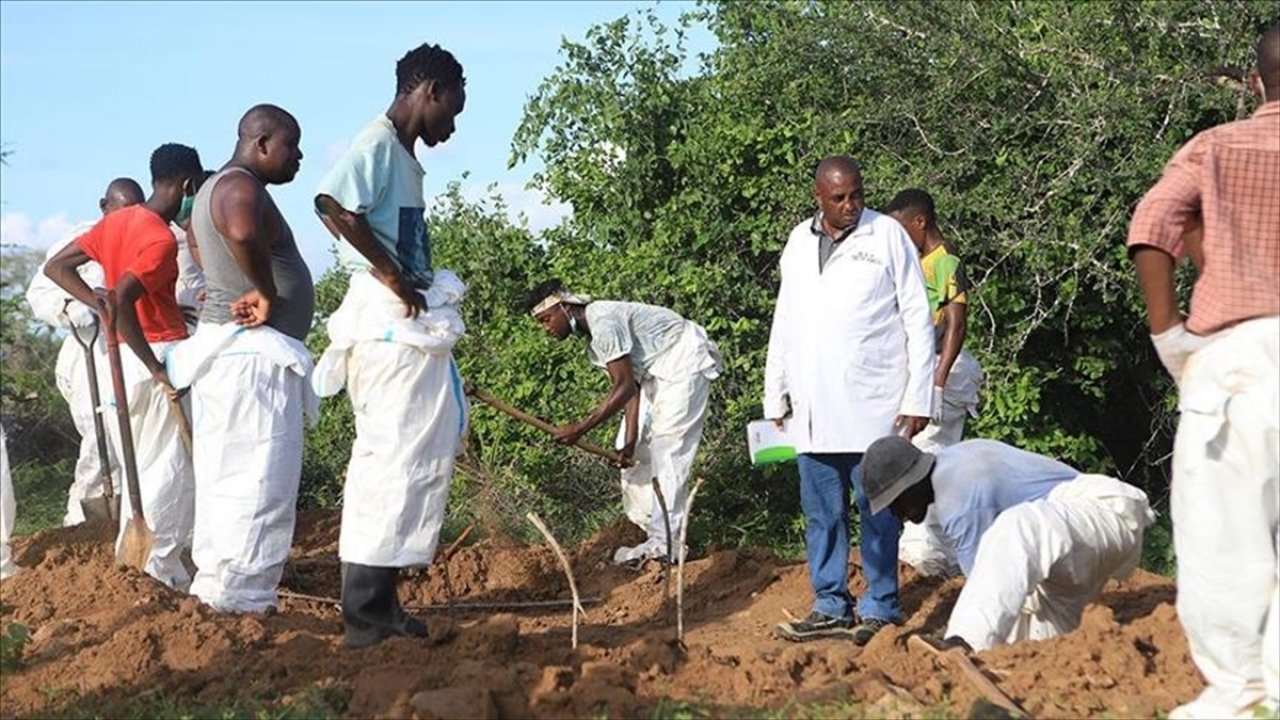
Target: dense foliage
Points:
(1036, 125)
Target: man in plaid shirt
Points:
(1219, 202)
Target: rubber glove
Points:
(1174, 346)
(936, 414)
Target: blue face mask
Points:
(184, 212)
(573, 325)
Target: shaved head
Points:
(267, 144)
(263, 120)
(1269, 62)
(836, 165)
(121, 192)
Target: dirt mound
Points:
(106, 636)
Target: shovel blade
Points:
(102, 512)
(135, 546)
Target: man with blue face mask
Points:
(660, 368)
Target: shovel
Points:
(493, 402)
(104, 509)
(135, 546)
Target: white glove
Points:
(936, 415)
(1174, 346)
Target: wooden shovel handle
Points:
(485, 397)
(959, 661)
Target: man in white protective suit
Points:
(8, 512)
(53, 305)
(390, 345)
(1036, 538)
(957, 377)
(248, 369)
(139, 257)
(1218, 202)
(660, 368)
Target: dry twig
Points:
(666, 566)
(568, 571)
(684, 550)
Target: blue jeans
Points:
(825, 480)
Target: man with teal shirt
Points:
(391, 346)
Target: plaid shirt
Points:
(1228, 179)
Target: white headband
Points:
(557, 297)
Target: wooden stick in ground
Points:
(457, 544)
(960, 662)
(684, 550)
(666, 566)
(568, 571)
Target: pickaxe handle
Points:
(488, 399)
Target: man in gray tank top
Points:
(250, 396)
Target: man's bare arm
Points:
(127, 292)
(61, 269)
(1155, 268)
(957, 325)
(623, 388)
(354, 228)
(239, 206)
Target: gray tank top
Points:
(295, 295)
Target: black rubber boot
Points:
(371, 611)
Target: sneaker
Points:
(867, 629)
(816, 626)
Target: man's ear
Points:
(102, 205)
(1256, 86)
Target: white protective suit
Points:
(1226, 515)
(852, 346)
(1041, 562)
(49, 304)
(921, 545)
(410, 412)
(673, 408)
(8, 512)
(250, 395)
(165, 476)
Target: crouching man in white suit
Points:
(1035, 538)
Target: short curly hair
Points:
(171, 161)
(428, 62)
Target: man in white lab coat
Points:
(850, 360)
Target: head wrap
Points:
(555, 298)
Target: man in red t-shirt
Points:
(139, 257)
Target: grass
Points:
(828, 710)
(315, 703)
(40, 492)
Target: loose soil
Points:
(105, 636)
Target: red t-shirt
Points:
(137, 241)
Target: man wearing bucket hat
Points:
(660, 369)
(1035, 538)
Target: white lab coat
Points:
(410, 414)
(852, 347)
